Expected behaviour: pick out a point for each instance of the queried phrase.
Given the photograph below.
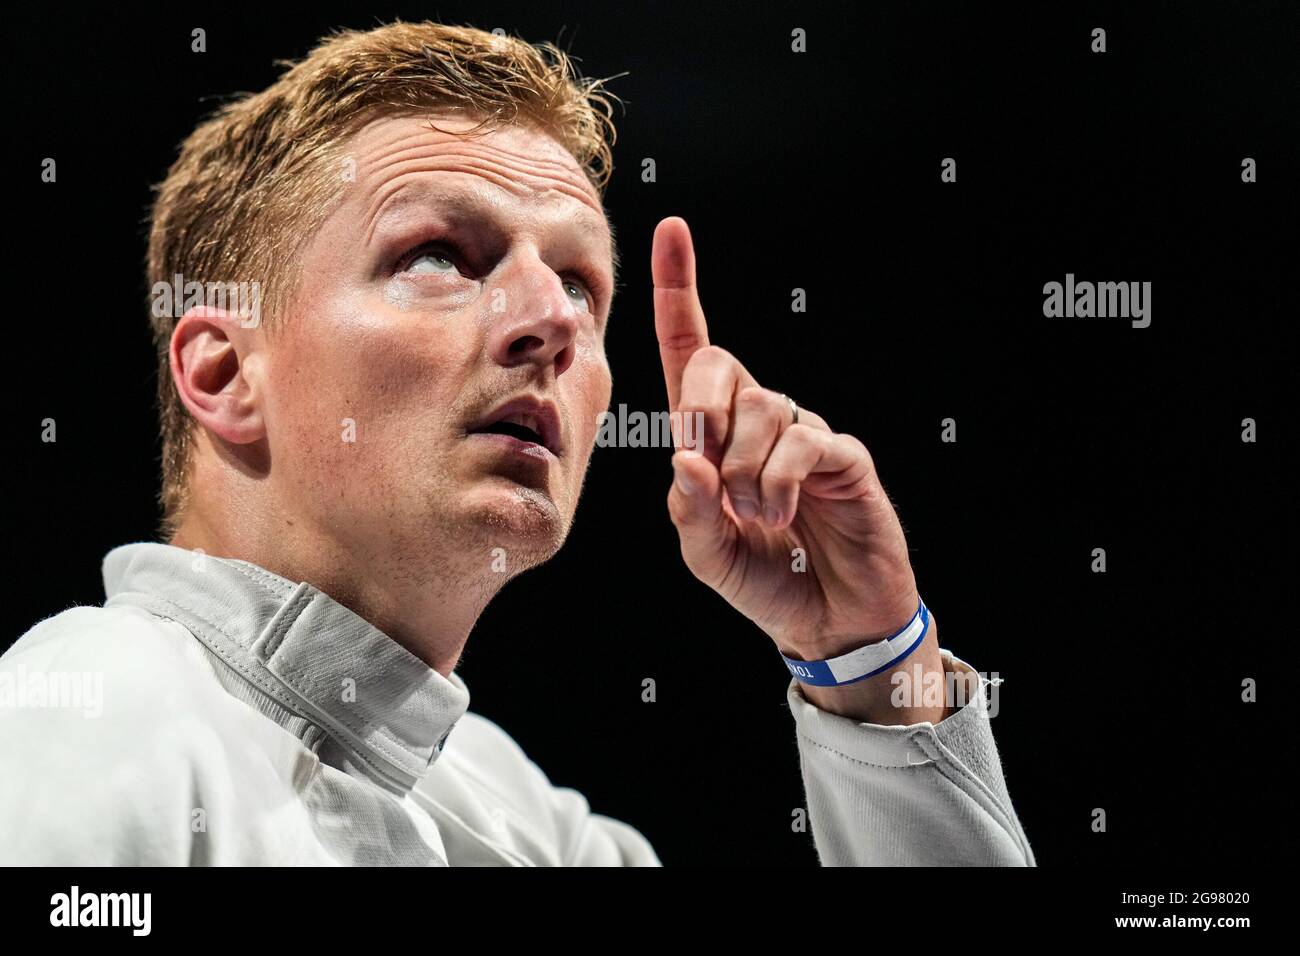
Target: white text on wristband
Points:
(866, 661)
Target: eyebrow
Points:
(466, 207)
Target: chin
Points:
(524, 521)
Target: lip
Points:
(517, 445)
(544, 414)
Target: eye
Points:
(578, 291)
(431, 262)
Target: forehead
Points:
(406, 161)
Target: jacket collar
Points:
(315, 657)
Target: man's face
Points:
(458, 279)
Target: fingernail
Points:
(771, 515)
(745, 508)
(685, 484)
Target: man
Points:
(416, 396)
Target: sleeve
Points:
(916, 795)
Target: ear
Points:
(213, 364)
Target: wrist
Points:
(872, 700)
(829, 642)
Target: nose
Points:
(535, 322)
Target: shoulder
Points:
(109, 733)
(484, 773)
(91, 636)
(494, 758)
(485, 776)
(120, 664)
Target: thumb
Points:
(695, 506)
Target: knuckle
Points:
(713, 412)
(756, 399)
(852, 443)
(681, 342)
(737, 471)
(709, 357)
(854, 446)
(804, 433)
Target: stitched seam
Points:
(420, 758)
(880, 766)
(406, 759)
(359, 730)
(950, 763)
(256, 575)
(998, 815)
(287, 620)
(942, 766)
(256, 681)
(280, 591)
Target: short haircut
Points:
(256, 179)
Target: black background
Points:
(817, 170)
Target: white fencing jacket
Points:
(213, 713)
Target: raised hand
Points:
(765, 486)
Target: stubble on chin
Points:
(525, 523)
(528, 524)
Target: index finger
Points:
(679, 317)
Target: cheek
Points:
(345, 381)
(592, 394)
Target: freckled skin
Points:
(401, 524)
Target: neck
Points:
(428, 604)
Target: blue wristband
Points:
(868, 661)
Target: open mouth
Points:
(514, 430)
(527, 420)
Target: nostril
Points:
(525, 344)
(564, 360)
